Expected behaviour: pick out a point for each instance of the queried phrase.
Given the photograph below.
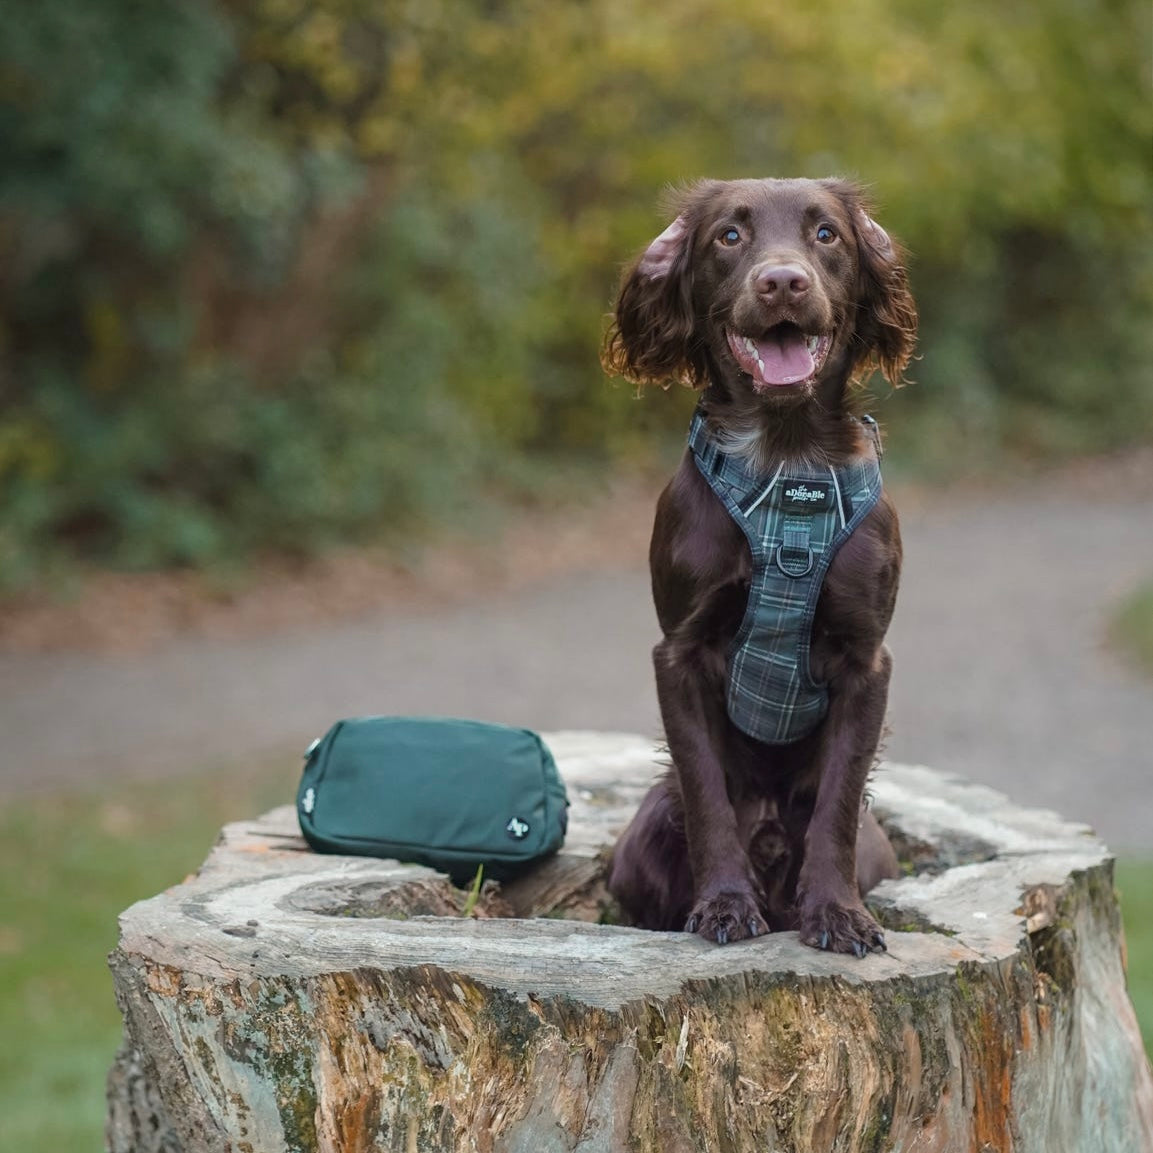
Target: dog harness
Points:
(795, 520)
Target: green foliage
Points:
(1131, 629)
(210, 467)
(1135, 889)
(69, 864)
(297, 270)
(473, 892)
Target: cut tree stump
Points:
(281, 1000)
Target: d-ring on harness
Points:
(795, 520)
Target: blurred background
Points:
(301, 414)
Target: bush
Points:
(285, 273)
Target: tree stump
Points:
(283, 1001)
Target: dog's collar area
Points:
(749, 436)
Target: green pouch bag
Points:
(450, 794)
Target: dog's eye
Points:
(729, 237)
(825, 234)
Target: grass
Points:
(69, 863)
(1135, 884)
(1131, 629)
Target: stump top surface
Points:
(252, 908)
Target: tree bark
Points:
(286, 1001)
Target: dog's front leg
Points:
(832, 915)
(726, 905)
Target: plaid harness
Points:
(795, 521)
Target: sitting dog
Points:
(775, 558)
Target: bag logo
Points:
(516, 828)
(308, 801)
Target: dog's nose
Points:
(782, 283)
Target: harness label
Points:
(805, 496)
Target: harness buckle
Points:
(874, 430)
(780, 563)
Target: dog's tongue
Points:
(785, 356)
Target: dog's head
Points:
(768, 287)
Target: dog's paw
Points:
(730, 915)
(839, 928)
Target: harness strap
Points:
(795, 520)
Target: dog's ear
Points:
(651, 339)
(886, 332)
(658, 259)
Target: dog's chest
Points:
(795, 521)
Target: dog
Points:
(772, 297)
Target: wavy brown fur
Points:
(654, 336)
(742, 837)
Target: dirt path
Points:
(1000, 670)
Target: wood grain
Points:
(284, 1001)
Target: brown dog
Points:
(770, 296)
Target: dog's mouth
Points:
(783, 355)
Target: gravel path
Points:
(1000, 670)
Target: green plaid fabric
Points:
(795, 521)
